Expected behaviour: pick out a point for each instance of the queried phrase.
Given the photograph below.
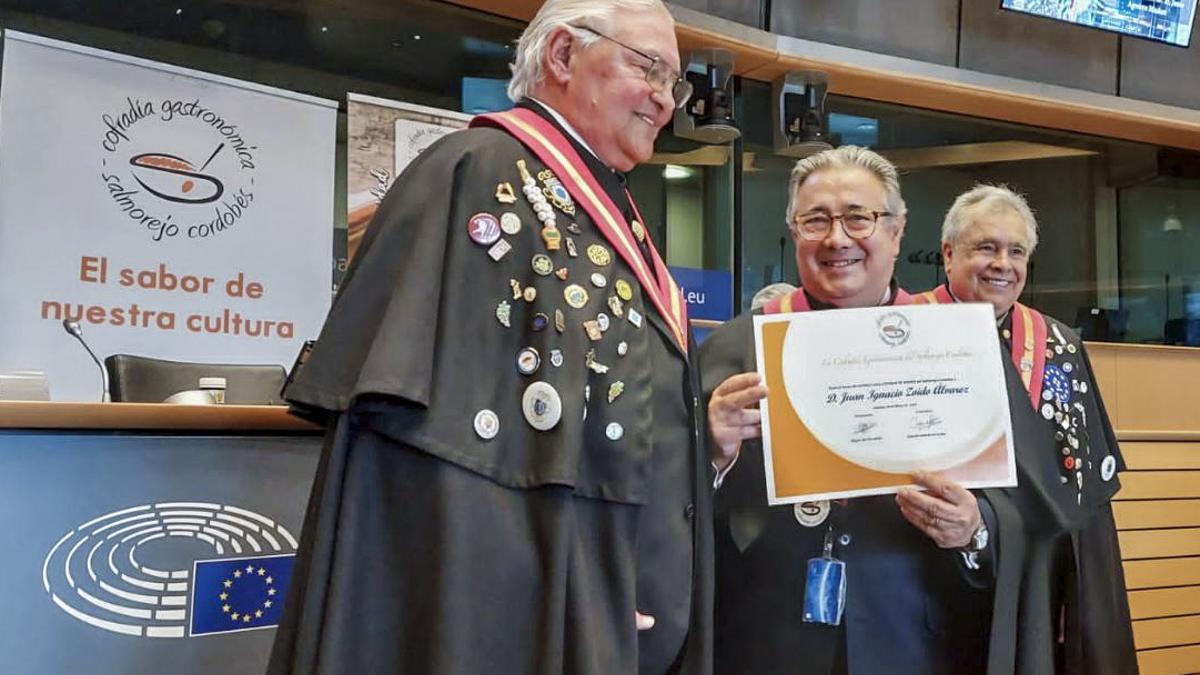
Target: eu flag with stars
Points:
(235, 594)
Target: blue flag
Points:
(235, 594)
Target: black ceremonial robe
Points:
(911, 608)
(1060, 604)
(430, 549)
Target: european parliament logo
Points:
(150, 570)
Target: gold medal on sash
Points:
(638, 231)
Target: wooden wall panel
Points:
(1141, 574)
(1164, 602)
(1145, 382)
(1159, 485)
(1160, 543)
(1157, 514)
(1145, 456)
(1171, 661)
(1154, 633)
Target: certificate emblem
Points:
(894, 329)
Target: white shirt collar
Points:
(566, 125)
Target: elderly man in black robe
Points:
(514, 479)
(1060, 604)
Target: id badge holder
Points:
(825, 587)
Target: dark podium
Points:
(147, 538)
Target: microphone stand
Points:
(75, 331)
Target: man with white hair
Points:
(1060, 603)
(514, 480)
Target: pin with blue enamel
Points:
(541, 405)
(635, 318)
(539, 322)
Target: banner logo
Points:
(148, 571)
(177, 168)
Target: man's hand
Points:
(947, 512)
(643, 621)
(733, 415)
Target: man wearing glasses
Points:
(915, 596)
(515, 479)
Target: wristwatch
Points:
(979, 542)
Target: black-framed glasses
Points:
(660, 76)
(857, 223)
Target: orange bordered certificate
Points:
(861, 398)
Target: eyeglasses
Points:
(660, 76)
(857, 223)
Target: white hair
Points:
(527, 69)
(993, 197)
(847, 157)
(769, 293)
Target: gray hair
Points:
(527, 70)
(769, 293)
(847, 157)
(993, 197)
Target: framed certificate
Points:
(861, 398)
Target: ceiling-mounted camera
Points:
(798, 119)
(708, 116)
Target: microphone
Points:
(73, 329)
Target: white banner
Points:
(170, 212)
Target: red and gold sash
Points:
(555, 151)
(797, 301)
(1028, 340)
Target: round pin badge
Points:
(603, 322)
(510, 223)
(811, 514)
(528, 361)
(575, 295)
(599, 255)
(483, 228)
(542, 265)
(530, 294)
(1083, 387)
(1071, 347)
(541, 406)
(1108, 468)
(622, 348)
(539, 322)
(624, 290)
(614, 431)
(487, 424)
(1047, 411)
(598, 280)
(1067, 367)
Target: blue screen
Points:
(1168, 21)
